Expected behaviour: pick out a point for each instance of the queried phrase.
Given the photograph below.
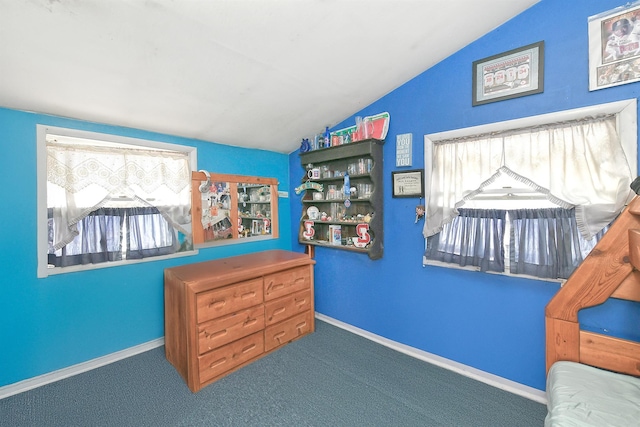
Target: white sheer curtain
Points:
(80, 179)
(577, 164)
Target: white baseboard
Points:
(61, 374)
(485, 377)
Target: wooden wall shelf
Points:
(360, 220)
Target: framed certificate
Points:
(408, 183)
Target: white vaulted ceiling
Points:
(260, 74)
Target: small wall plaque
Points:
(404, 150)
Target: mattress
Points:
(581, 395)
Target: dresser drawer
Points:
(285, 282)
(224, 359)
(287, 306)
(283, 332)
(223, 330)
(229, 299)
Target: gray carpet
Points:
(330, 378)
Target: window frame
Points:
(43, 269)
(626, 112)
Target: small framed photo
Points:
(508, 75)
(614, 47)
(408, 183)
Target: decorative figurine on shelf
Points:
(419, 213)
(346, 188)
(305, 145)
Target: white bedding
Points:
(581, 395)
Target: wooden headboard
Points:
(612, 269)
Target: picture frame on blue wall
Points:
(512, 74)
(408, 183)
(614, 47)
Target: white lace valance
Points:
(88, 177)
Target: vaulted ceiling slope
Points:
(252, 73)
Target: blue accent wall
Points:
(490, 322)
(56, 322)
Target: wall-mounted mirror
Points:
(233, 208)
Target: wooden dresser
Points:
(223, 314)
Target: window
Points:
(105, 200)
(530, 196)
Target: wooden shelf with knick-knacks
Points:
(333, 218)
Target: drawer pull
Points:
(279, 311)
(250, 294)
(278, 336)
(217, 363)
(276, 287)
(250, 322)
(248, 348)
(301, 325)
(300, 302)
(218, 304)
(216, 335)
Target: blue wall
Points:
(52, 323)
(492, 323)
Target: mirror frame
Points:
(234, 181)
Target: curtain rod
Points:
(507, 132)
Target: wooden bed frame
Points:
(612, 269)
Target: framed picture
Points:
(408, 183)
(614, 47)
(511, 74)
